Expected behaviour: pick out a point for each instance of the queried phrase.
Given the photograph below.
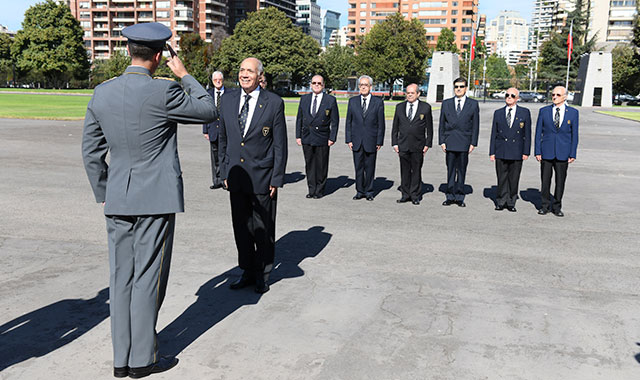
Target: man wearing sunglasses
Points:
(458, 136)
(555, 148)
(316, 130)
(510, 144)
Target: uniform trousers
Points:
(546, 169)
(139, 258)
(254, 228)
(365, 165)
(456, 173)
(316, 166)
(215, 165)
(508, 173)
(411, 174)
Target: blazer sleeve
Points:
(441, 124)
(527, 134)
(206, 126)
(380, 139)
(190, 105)
(222, 143)
(347, 124)
(395, 127)
(494, 131)
(280, 146)
(538, 142)
(335, 120)
(299, 119)
(94, 153)
(429, 137)
(476, 124)
(574, 136)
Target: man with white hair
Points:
(210, 130)
(364, 133)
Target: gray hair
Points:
(367, 78)
(217, 72)
(260, 66)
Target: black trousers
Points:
(365, 165)
(254, 228)
(546, 168)
(316, 166)
(215, 166)
(411, 174)
(456, 173)
(508, 173)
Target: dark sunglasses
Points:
(556, 95)
(460, 86)
(316, 83)
(512, 95)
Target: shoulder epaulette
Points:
(110, 79)
(171, 79)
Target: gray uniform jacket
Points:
(134, 118)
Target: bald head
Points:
(249, 75)
(559, 95)
(412, 92)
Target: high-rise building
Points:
(103, 20)
(5, 30)
(238, 9)
(458, 15)
(308, 17)
(511, 33)
(542, 21)
(611, 21)
(330, 24)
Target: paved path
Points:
(362, 290)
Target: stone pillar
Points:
(445, 68)
(594, 82)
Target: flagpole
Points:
(569, 51)
(471, 54)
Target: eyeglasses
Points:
(512, 95)
(553, 95)
(464, 86)
(318, 83)
(364, 85)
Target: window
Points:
(433, 30)
(362, 30)
(454, 12)
(163, 4)
(433, 13)
(352, 6)
(454, 20)
(453, 29)
(363, 21)
(363, 14)
(85, 24)
(83, 5)
(430, 38)
(363, 5)
(373, 5)
(162, 14)
(454, 3)
(85, 15)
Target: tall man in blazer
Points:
(556, 147)
(210, 130)
(253, 154)
(134, 119)
(458, 136)
(510, 144)
(317, 130)
(411, 137)
(364, 133)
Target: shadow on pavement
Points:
(491, 193)
(381, 184)
(335, 184)
(293, 177)
(467, 189)
(532, 196)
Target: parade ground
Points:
(361, 290)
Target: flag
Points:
(570, 42)
(473, 46)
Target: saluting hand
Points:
(176, 65)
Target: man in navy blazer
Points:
(364, 133)
(210, 130)
(411, 137)
(509, 146)
(555, 148)
(458, 136)
(317, 130)
(253, 155)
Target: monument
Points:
(593, 86)
(445, 68)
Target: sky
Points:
(13, 10)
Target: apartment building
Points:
(308, 17)
(511, 34)
(238, 9)
(611, 21)
(330, 25)
(458, 15)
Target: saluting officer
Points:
(510, 144)
(134, 118)
(317, 130)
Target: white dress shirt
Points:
(252, 106)
(367, 98)
(513, 113)
(562, 109)
(313, 95)
(413, 110)
(215, 95)
(462, 100)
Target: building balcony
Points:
(145, 18)
(102, 18)
(184, 28)
(215, 2)
(183, 18)
(100, 29)
(124, 19)
(101, 47)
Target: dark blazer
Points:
(459, 131)
(365, 130)
(323, 127)
(510, 143)
(212, 128)
(252, 163)
(559, 143)
(414, 135)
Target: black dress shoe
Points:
(358, 196)
(402, 200)
(212, 187)
(243, 281)
(308, 196)
(318, 196)
(461, 204)
(261, 286)
(558, 213)
(542, 212)
(499, 208)
(217, 186)
(415, 202)
(120, 371)
(448, 202)
(511, 208)
(164, 364)
(369, 197)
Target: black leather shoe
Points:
(120, 371)
(402, 200)
(416, 202)
(448, 202)
(558, 213)
(499, 208)
(308, 196)
(511, 208)
(317, 196)
(164, 364)
(261, 286)
(244, 281)
(217, 186)
(358, 196)
(542, 212)
(461, 204)
(212, 187)
(369, 197)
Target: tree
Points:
(109, 68)
(196, 55)
(498, 73)
(6, 64)
(50, 43)
(447, 41)
(393, 49)
(626, 70)
(269, 35)
(338, 64)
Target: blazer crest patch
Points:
(265, 131)
(522, 124)
(327, 112)
(421, 116)
(569, 122)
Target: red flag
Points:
(570, 42)
(473, 46)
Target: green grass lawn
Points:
(62, 91)
(624, 115)
(52, 107)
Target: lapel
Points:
(466, 107)
(235, 107)
(320, 106)
(566, 121)
(403, 110)
(258, 111)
